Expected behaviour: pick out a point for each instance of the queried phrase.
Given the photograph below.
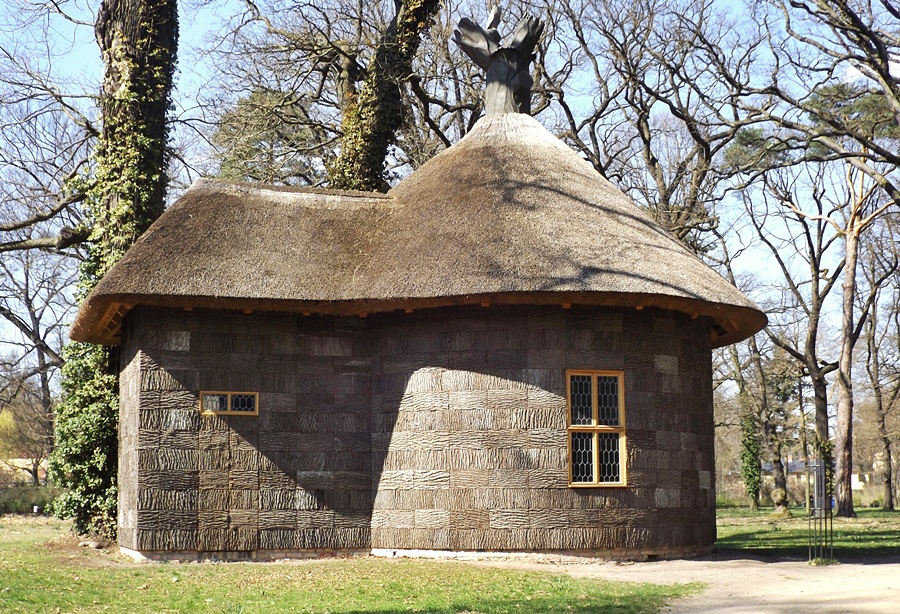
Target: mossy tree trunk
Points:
(779, 478)
(138, 42)
(372, 115)
(751, 463)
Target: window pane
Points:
(582, 457)
(243, 402)
(608, 449)
(580, 394)
(215, 402)
(608, 400)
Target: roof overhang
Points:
(100, 318)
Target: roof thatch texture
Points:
(509, 214)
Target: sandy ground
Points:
(737, 584)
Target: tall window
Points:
(596, 409)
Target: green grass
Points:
(42, 570)
(873, 533)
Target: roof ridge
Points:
(281, 193)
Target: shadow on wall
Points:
(439, 429)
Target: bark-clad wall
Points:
(440, 429)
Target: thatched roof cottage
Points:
(503, 353)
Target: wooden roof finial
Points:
(508, 79)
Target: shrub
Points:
(85, 458)
(21, 498)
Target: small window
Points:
(596, 419)
(238, 403)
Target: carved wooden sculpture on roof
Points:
(508, 82)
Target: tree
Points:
(859, 216)
(138, 41)
(36, 304)
(788, 205)
(751, 458)
(822, 204)
(47, 135)
(824, 116)
(830, 63)
(371, 116)
(266, 138)
(660, 118)
(882, 337)
(765, 387)
(26, 424)
(343, 69)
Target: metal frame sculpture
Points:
(821, 516)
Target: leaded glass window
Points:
(580, 391)
(582, 457)
(596, 417)
(240, 403)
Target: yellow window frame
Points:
(595, 428)
(228, 394)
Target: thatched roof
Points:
(509, 214)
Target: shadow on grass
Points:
(868, 547)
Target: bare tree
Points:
(26, 432)
(659, 119)
(832, 98)
(882, 331)
(47, 129)
(35, 304)
(833, 204)
(767, 388)
(788, 209)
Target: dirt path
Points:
(737, 584)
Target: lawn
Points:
(873, 533)
(42, 569)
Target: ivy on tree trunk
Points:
(371, 116)
(751, 466)
(138, 41)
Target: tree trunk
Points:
(751, 470)
(844, 429)
(370, 118)
(824, 449)
(820, 401)
(873, 367)
(46, 404)
(887, 474)
(138, 41)
(779, 488)
(35, 471)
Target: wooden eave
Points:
(728, 323)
